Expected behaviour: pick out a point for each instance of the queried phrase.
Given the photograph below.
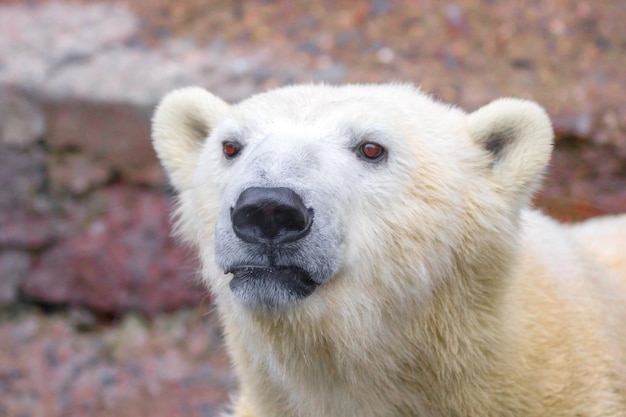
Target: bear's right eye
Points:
(231, 149)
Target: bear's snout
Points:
(270, 216)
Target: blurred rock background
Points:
(100, 311)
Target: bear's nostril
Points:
(270, 215)
(289, 218)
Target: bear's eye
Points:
(371, 152)
(231, 149)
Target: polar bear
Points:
(372, 252)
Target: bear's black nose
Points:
(270, 215)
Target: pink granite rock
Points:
(121, 260)
(116, 135)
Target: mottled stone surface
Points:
(115, 137)
(121, 259)
(14, 267)
(171, 366)
(22, 121)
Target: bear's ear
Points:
(181, 123)
(518, 136)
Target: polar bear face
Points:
(314, 195)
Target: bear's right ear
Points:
(181, 123)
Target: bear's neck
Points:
(441, 357)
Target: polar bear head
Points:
(315, 197)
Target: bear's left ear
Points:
(181, 123)
(518, 135)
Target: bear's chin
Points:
(270, 288)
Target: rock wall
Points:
(84, 206)
(84, 210)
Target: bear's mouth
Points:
(260, 287)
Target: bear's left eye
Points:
(371, 152)
(231, 149)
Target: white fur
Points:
(442, 294)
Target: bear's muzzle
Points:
(270, 219)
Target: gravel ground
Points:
(171, 366)
(568, 55)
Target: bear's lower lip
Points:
(270, 286)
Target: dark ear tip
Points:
(496, 142)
